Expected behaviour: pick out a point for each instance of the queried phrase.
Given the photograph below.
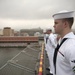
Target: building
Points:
(7, 31)
(1, 32)
(31, 32)
(37, 34)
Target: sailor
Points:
(64, 56)
(46, 35)
(50, 47)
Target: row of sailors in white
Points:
(65, 61)
(50, 45)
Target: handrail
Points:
(41, 61)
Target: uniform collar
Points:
(69, 35)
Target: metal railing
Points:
(41, 61)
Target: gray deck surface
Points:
(26, 62)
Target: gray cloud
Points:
(33, 9)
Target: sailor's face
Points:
(58, 26)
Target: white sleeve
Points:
(70, 55)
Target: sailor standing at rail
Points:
(50, 47)
(46, 35)
(64, 55)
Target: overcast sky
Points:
(22, 14)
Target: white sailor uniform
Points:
(50, 47)
(65, 62)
